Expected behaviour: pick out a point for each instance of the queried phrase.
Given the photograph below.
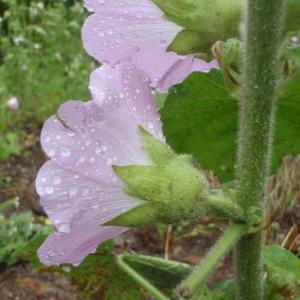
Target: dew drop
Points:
(64, 227)
(56, 180)
(65, 152)
(110, 31)
(49, 190)
(47, 138)
(72, 191)
(150, 125)
(51, 153)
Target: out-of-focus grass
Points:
(42, 61)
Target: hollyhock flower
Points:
(137, 30)
(13, 103)
(78, 187)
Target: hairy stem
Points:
(201, 273)
(261, 65)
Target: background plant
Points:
(42, 62)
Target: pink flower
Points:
(137, 30)
(13, 103)
(78, 187)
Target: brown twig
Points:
(168, 241)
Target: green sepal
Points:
(254, 216)
(174, 190)
(231, 54)
(139, 216)
(189, 42)
(176, 182)
(178, 11)
(230, 60)
(159, 152)
(177, 187)
(215, 19)
(144, 182)
(223, 204)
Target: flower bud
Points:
(229, 57)
(172, 188)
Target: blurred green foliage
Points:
(9, 144)
(42, 61)
(15, 231)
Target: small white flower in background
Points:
(13, 103)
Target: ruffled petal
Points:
(65, 196)
(77, 207)
(137, 31)
(125, 88)
(182, 69)
(88, 140)
(73, 247)
(119, 31)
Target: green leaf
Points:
(200, 118)
(29, 251)
(15, 232)
(283, 261)
(4, 152)
(160, 99)
(9, 144)
(8, 203)
(13, 143)
(166, 274)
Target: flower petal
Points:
(128, 89)
(73, 247)
(131, 30)
(89, 140)
(183, 68)
(137, 31)
(77, 206)
(66, 195)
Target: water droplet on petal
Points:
(56, 180)
(64, 227)
(150, 125)
(49, 190)
(72, 191)
(65, 152)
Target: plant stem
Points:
(261, 69)
(200, 274)
(140, 280)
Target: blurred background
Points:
(43, 64)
